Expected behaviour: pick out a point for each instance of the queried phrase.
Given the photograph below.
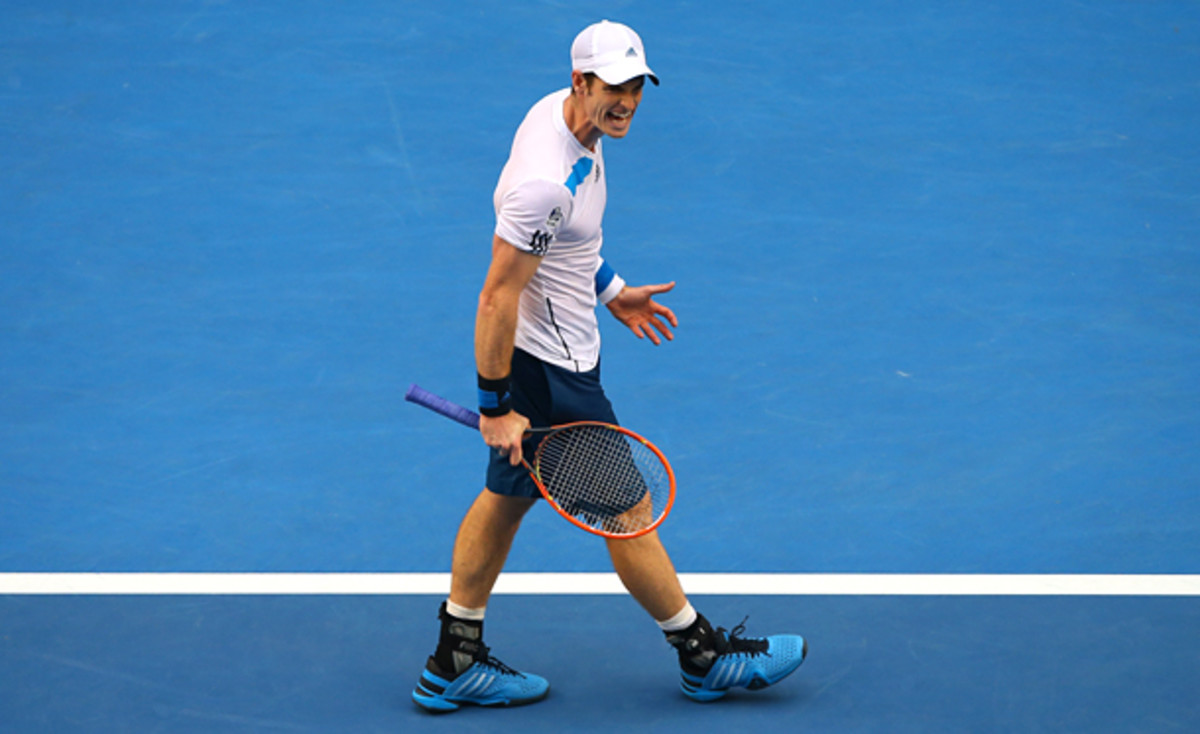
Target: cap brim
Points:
(623, 71)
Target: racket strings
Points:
(604, 478)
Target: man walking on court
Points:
(537, 351)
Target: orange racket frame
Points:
(470, 418)
(669, 473)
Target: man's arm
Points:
(495, 332)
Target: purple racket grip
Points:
(453, 411)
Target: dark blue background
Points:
(938, 290)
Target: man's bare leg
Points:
(481, 548)
(646, 571)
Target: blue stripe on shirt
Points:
(579, 174)
(604, 277)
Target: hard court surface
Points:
(938, 280)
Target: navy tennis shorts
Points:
(548, 396)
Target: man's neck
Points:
(584, 131)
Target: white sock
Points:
(680, 621)
(467, 613)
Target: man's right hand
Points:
(505, 434)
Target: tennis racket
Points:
(603, 478)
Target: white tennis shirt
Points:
(550, 202)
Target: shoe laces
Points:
(732, 643)
(483, 655)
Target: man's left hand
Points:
(635, 307)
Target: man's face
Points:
(610, 107)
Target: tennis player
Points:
(537, 350)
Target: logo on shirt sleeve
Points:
(539, 243)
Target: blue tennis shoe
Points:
(712, 662)
(488, 682)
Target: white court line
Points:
(798, 584)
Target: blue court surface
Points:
(938, 273)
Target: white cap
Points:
(611, 51)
